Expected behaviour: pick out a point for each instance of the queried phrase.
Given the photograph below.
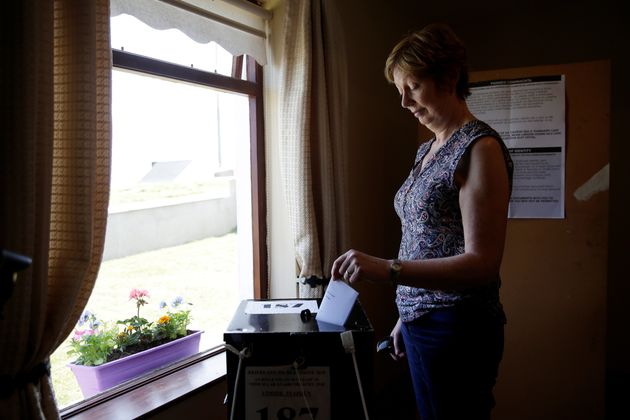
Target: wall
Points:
(173, 222)
(381, 143)
(498, 35)
(554, 271)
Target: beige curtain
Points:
(54, 180)
(312, 105)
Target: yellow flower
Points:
(129, 327)
(164, 319)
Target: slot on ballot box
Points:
(284, 365)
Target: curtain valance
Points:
(236, 25)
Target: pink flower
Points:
(138, 293)
(79, 333)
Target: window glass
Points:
(174, 183)
(179, 222)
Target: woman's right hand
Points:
(355, 266)
(399, 346)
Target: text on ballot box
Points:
(282, 365)
(287, 392)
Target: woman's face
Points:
(422, 97)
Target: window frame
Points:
(253, 88)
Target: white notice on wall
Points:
(284, 392)
(529, 114)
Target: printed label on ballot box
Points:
(284, 393)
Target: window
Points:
(186, 215)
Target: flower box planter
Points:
(95, 379)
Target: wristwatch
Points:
(394, 271)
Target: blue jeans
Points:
(454, 356)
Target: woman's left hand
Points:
(354, 266)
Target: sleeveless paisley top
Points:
(428, 206)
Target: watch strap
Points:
(394, 271)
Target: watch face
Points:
(394, 271)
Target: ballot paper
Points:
(293, 306)
(337, 303)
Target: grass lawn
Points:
(202, 272)
(146, 192)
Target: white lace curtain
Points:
(311, 114)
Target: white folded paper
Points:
(292, 306)
(337, 303)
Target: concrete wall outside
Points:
(169, 223)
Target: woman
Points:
(453, 211)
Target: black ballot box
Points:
(285, 365)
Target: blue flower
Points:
(162, 305)
(85, 317)
(177, 301)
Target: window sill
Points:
(142, 396)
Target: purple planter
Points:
(95, 379)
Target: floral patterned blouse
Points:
(428, 206)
